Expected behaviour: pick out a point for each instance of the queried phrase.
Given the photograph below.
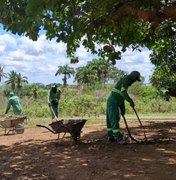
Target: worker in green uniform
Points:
(53, 101)
(14, 101)
(116, 106)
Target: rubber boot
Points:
(119, 138)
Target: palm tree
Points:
(20, 80)
(101, 67)
(2, 74)
(66, 71)
(85, 75)
(16, 80)
(12, 76)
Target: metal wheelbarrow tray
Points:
(72, 126)
(13, 124)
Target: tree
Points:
(66, 71)
(105, 71)
(20, 80)
(12, 76)
(126, 23)
(115, 74)
(15, 80)
(100, 66)
(98, 70)
(2, 74)
(164, 59)
(85, 75)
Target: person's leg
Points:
(108, 124)
(115, 119)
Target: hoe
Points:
(129, 133)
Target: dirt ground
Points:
(38, 154)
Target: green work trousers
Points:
(112, 121)
(54, 108)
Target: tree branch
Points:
(155, 15)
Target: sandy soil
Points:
(38, 154)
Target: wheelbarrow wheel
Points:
(19, 129)
(76, 137)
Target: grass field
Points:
(101, 120)
(31, 122)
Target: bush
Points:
(89, 102)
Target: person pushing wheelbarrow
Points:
(116, 106)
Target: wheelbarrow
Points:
(72, 126)
(13, 124)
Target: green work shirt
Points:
(14, 101)
(122, 85)
(53, 97)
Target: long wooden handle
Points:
(54, 113)
(140, 122)
(129, 133)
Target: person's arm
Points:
(122, 108)
(8, 107)
(124, 90)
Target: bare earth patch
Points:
(38, 154)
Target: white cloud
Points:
(7, 39)
(39, 60)
(2, 48)
(137, 61)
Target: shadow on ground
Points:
(94, 157)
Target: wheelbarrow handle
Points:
(38, 125)
(140, 122)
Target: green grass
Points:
(101, 120)
(32, 122)
(153, 116)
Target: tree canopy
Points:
(66, 71)
(164, 76)
(98, 71)
(15, 80)
(98, 25)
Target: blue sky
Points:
(39, 60)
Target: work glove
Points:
(132, 104)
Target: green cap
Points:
(11, 93)
(135, 75)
